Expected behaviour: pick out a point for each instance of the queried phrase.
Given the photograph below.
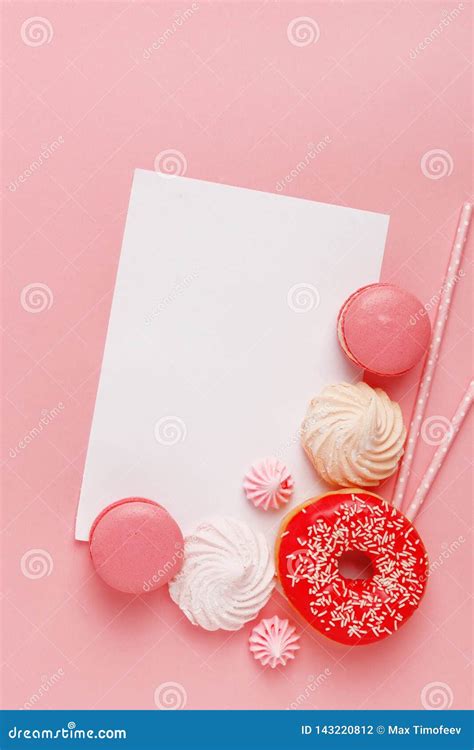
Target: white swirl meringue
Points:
(268, 484)
(274, 642)
(353, 435)
(227, 575)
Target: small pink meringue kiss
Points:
(273, 642)
(268, 484)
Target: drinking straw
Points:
(431, 360)
(441, 452)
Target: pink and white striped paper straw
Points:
(440, 454)
(429, 369)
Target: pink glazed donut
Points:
(135, 545)
(384, 329)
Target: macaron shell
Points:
(384, 329)
(136, 546)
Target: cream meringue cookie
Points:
(227, 575)
(353, 435)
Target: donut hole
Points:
(356, 565)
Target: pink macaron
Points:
(384, 329)
(135, 545)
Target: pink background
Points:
(230, 92)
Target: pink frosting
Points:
(384, 329)
(135, 545)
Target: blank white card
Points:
(222, 328)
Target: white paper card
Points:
(222, 328)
